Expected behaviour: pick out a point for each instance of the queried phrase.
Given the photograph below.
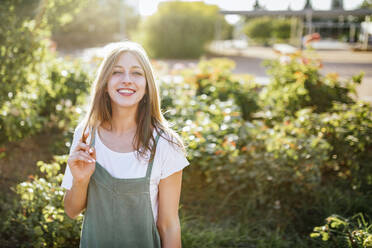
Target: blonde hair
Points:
(149, 113)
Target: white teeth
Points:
(125, 91)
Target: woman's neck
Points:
(123, 121)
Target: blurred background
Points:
(272, 99)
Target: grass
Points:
(206, 222)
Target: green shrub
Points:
(354, 232)
(36, 218)
(210, 106)
(213, 80)
(282, 29)
(297, 83)
(267, 30)
(52, 98)
(335, 117)
(97, 23)
(259, 29)
(280, 153)
(24, 26)
(179, 29)
(38, 91)
(296, 159)
(348, 128)
(288, 151)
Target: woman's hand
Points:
(82, 162)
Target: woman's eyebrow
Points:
(137, 67)
(134, 67)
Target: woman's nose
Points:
(126, 77)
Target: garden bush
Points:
(211, 80)
(296, 146)
(52, 98)
(87, 29)
(336, 118)
(179, 29)
(268, 30)
(296, 83)
(354, 232)
(36, 216)
(282, 157)
(38, 91)
(24, 27)
(208, 106)
(297, 159)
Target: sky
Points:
(149, 7)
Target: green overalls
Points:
(119, 212)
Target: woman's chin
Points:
(127, 105)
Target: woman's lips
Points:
(126, 92)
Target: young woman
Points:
(125, 164)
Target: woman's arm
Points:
(75, 199)
(168, 222)
(82, 165)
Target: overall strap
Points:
(152, 158)
(93, 137)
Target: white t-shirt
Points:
(167, 161)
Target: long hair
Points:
(148, 116)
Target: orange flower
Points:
(197, 134)
(298, 74)
(218, 152)
(333, 76)
(305, 61)
(224, 143)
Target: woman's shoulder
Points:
(172, 155)
(169, 141)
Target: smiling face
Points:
(127, 84)
(133, 72)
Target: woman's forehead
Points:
(128, 60)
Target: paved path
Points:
(345, 63)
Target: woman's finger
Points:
(92, 152)
(82, 146)
(82, 156)
(86, 155)
(85, 137)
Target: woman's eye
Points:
(116, 72)
(138, 73)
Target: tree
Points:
(308, 5)
(265, 30)
(101, 21)
(257, 5)
(179, 29)
(367, 4)
(33, 82)
(337, 4)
